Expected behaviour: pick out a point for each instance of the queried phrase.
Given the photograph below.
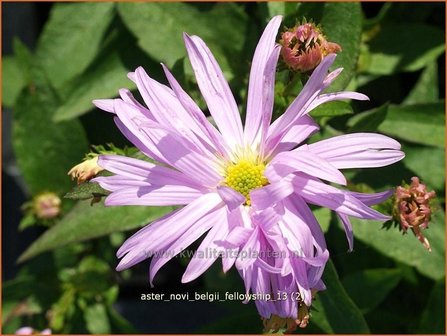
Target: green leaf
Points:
(45, 151)
(103, 81)
(117, 238)
(24, 59)
(421, 123)
(44, 286)
(433, 316)
(111, 295)
(159, 28)
(394, 49)
(92, 263)
(106, 74)
(18, 288)
(323, 216)
(62, 309)
(407, 248)
(333, 310)
(96, 319)
(342, 24)
(178, 70)
(27, 221)
(332, 109)
(72, 38)
(368, 288)
(426, 89)
(368, 121)
(90, 284)
(86, 190)
(119, 323)
(13, 80)
(428, 163)
(86, 222)
(281, 8)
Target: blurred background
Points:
(56, 58)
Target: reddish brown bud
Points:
(412, 208)
(304, 47)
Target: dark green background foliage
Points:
(393, 52)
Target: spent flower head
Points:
(413, 208)
(246, 188)
(304, 47)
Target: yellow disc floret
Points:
(245, 176)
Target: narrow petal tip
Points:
(121, 267)
(362, 96)
(104, 104)
(186, 278)
(330, 58)
(186, 37)
(131, 76)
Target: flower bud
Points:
(47, 205)
(305, 46)
(412, 208)
(85, 170)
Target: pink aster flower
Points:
(245, 187)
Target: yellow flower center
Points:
(245, 176)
